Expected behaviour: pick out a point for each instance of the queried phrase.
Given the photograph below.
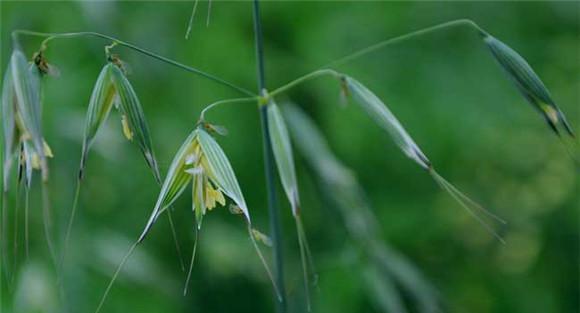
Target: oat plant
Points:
(202, 168)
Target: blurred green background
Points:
(445, 88)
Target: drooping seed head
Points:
(528, 83)
(202, 161)
(27, 95)
(8, 124)
(100, 104)
(133, 118)
(282, 150)
(377, 110)
(21, 114)
(383, 116)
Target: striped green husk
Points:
(100, 104)
(528, 83)
(222, 171)
(343, 192)
(174, 184)
(377, 110)
(130, 107)
(8, 124)
(27, 93)
(381, 114)
(282, 150)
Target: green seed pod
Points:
(8, 124)
(27, 93)
(133, 118)
(199, 158)
(100, 104)
(282, 150)
(377, 110)
(528, 83)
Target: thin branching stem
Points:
(70, 224)
(275, 226)
(326, 70)
(47, 220)
(398, 39)
(15, 236)
(52, 36)
(191, 261)
(114, 278)
(226, 101)
(26, 220)
(191, 17)
(303, 79)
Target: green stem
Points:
(420, 32)
(302, 79)
(276, 229)
(226, 101)
(51, 36)
(325, 70)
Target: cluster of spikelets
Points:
(21, 117)
(200, 161)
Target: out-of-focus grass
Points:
(445, 89)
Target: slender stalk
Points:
(116, 274)
(47, 220)
(302, 79)
(192, 260)
(26, 207)
(325, 70)
(3, 248)
(220, 102)
(424, 31)
(190, 24)
(51, 36)
(276, 229)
